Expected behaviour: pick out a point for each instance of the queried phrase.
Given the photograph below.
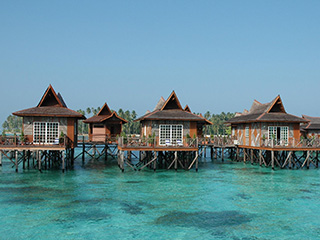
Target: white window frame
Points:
(170, 134)
(45, 132)
(247, 131)
(284, 134)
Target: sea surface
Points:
(224, 200)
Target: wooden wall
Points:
(259, 131)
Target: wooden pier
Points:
(38, 156)
(154, 156)
(97, 149)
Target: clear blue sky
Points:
(216, 55)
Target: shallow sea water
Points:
(224, 200)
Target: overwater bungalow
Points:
(267, 134)
(265, 125)
(50, 120)
(49, 134)
(104, 126)
(165, 131)
(171, 125)
(312, 128)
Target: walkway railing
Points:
(16, 141)
(98, 138)
(292, 143)
(151, 142)
(218, 141)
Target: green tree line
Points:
(130, 127)
(218, 120)
(13, 124)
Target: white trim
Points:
(45, 132)
(284, 134)
(170, 134)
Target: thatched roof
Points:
(273, 111)
(103, 115)
(171, 110)
(314, 123)
(50, 105)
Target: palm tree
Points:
(88, 110)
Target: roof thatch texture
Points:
(268, 112)
(50, 105)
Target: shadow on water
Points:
(134, 181)
(305, 190)
(203, 219)
(92, 215)
(24, 200)
(131, 208)
(243, 196)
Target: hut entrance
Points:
(279, 135)
(98, 133)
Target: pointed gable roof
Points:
(171, 110)
(268, 112)
(276, 106)
(104, 111)
(105, 114)
(187, 109)
(50, 105)
(159, 104)
(313, 124)
(50, 99)
(172, 103)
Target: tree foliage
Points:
(218, 120)
(13, 124)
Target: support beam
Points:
(176, 160)
(16, 163)
(260, 157)
(194, 160)
(39, 160)
(63, 161)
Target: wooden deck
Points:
(32, 147)
(157, 148)
(282, 148)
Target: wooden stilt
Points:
(197, 162)
(260, 157)
(251, 157)
(129, 155)
(155, 162)
(194, 160)
(24, 160)
(272, 160)
(176, 160)
(222, 154)
(106, 152)
(244, 155)
(288, 159)
(237, 154)
(63, 161)
(16, 152)
(0, 158)
(39, 160)
(29, 155)
(83, 150)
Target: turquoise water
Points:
(222, 201)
